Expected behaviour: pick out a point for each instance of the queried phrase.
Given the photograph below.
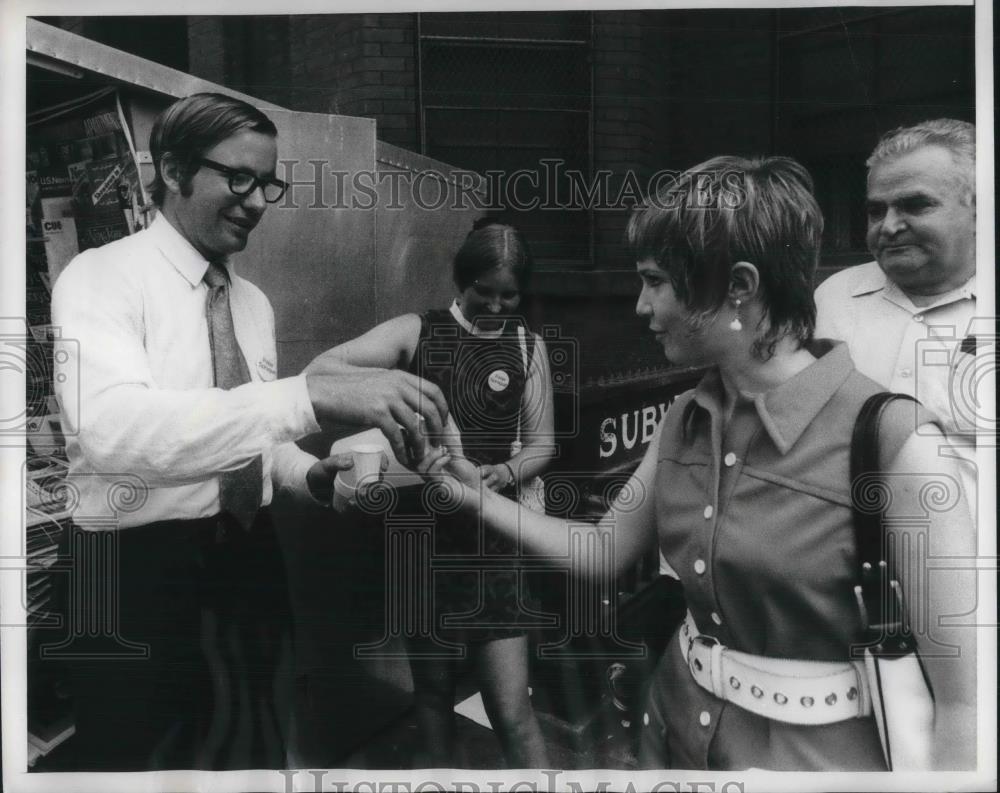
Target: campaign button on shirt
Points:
(266, 369)
(498, 380)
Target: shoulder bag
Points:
(902, 700)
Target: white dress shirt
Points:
(134, 378)
(915, 350)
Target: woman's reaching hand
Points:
(495, 477)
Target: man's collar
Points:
(788, 409)
(180, 252)
(871, 278)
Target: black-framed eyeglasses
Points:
(242, 183)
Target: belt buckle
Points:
(714, 663)
(706, 641)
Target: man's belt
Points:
(797, 692)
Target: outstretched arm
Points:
(389, 345)
(630, 523)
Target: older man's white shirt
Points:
(909, 349)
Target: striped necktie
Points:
(240, 491)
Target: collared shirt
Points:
(915, 350)
(754, 515)
(147, 433)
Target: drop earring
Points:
(736, 325)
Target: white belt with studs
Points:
(797, 692)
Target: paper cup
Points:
(367, 462)
(399, 475)
(343, 492)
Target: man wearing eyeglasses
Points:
(179, 432)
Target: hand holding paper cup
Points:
(367, 463)
(367, 459)
(343, 491)
(396, 475)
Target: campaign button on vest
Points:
(498, 380)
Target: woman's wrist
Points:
(511, 479)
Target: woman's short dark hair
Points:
(193, 125)
(729, 209)
(490, 245)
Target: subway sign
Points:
(621, 434)
(617, 422)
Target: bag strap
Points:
(522, 341)
(878, 592)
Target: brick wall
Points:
(317, 46)
(346, 64)
(622, 134)
(206, 48)
(374, 74)
(389, 52)
(715, 83)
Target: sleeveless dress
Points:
(479, 593)
(755, 517)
